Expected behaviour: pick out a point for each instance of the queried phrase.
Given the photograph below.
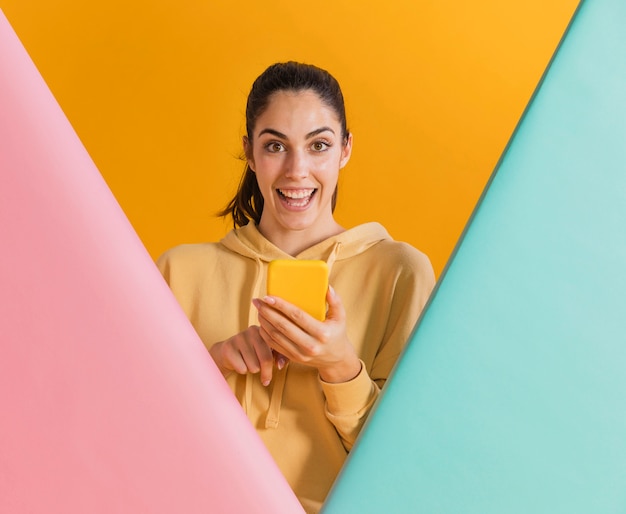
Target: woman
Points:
(306, 385)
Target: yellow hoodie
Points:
(309, 426)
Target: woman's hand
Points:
(301, 338)
(246, 352)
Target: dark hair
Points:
(247, 204)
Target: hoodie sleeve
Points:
(348, 404)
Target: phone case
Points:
(301, 282)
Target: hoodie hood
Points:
(248, 242)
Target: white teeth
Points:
(296, 194)
(297, 197)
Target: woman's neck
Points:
(294, 242)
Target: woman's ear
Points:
(247, 150)
(346, 152)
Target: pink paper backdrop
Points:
(109, 402)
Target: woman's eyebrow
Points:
(311, 134)
(273, 132)
(319, 131)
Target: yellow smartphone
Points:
(301, 282)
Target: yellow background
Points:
(156, 91)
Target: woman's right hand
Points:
(246, 352)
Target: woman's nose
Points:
(297, 165)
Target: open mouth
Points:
(296, 197)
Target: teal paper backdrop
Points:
(511, 396)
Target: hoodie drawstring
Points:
(276, 400)
(332, 256)
(253, 319)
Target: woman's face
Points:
(296, 152)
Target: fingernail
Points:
(269, 299)
(332, 290)
(280, 362)
(256, 302)
(266, 382)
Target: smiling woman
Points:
(306, 385)
(297, 168)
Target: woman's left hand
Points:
(301, 338)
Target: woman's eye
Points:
(319, 146)
(274, 147)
